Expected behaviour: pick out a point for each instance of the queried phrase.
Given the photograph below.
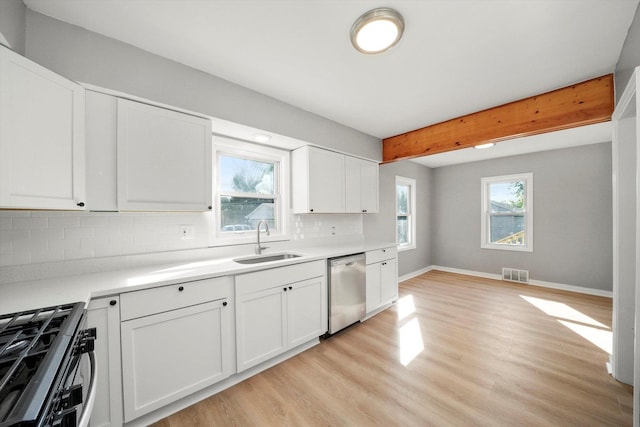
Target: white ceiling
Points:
(456, 56)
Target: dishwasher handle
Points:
(348, 260)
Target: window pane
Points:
(403, 230)
(507, 229)
(506, 196)
(244, 213)
(246, 176)
(402, 196)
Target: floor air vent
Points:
(513, 275)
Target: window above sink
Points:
(250, 184)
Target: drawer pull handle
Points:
(290, 287)
(113, 302)
(181, 288)
(224, 304)
(284, 289)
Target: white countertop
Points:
(81, 288)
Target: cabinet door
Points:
(104, 315)
(373, 287)
(41, 137)
(326, 181)
(306, 310)
(368, 186)
(388, 281)
(353, 191)
(170, 355)
(101, 115)
(361, 185)
(164, 159)
(260, 326)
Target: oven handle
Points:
(91, 395)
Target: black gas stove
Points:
(42, 378)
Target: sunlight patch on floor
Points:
(406, 306)
(588, 328)
(599, 337)
(562, 311)
(411, 344)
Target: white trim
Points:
(540, 283)
(415, 273)
(528, 214)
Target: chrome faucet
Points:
(258, 247)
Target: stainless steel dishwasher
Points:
(346, 291)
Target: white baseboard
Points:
(541, 283)
(414, 274)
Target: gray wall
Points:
(383, 226)
(88, 57)
(12, 24)
(572, 216)
(629, 57)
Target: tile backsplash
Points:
(31, 237)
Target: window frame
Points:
(485, 237)
(228, 146)
(411, 215)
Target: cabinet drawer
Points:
(265, 279)
(171, 297)
(381, 254)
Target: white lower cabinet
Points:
(279, 309)
(104, 315)
(306, 319)
(382, 278)
(171, 354)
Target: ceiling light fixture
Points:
(487, 145)
(377, 30)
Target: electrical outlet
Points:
(187, 232)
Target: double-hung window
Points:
(250, 186)
(405, 213)
(507, 212)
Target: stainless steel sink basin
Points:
(265, 258)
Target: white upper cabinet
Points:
(324, 181)
(361, 185)
(146, 158)
(318, 178)
(164, 159)
(42, 163)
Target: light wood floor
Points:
(490, 358)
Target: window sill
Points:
(402, 248)
(512, 248)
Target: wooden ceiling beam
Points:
(580, 104)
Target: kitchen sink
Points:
(265, 258)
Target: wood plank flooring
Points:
(489, 357)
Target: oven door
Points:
(75, 395)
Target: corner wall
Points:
(572, 229)
(382, 227)
(629, 57)
(13, 24)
